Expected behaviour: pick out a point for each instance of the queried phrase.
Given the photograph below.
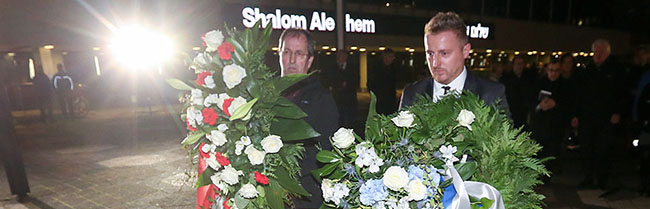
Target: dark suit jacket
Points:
(491, 92)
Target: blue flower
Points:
(434, 176)
(415, 173)
(350, 170)
(372, 191)
(403, 142)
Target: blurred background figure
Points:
(518, 91)
(344, 87)
(43, 88)
(381, 81)
(63, 87)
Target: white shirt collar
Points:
(456, 85)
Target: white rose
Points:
(212, 162)
(271, 144)
(465, 118)
(417, 191)
(255, 156)
(232, 75)
(396, 178)
(222, 127)
(217, 137)
(404, 119)
(197, 97)
(248, 191)
(207, 148)
(343, 138)
(236, 103)
(212, 40)
(209, 82)
(216, 180)
(230, 175)
(328, 189)
(211, 99)
(194, 116)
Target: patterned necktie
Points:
(446, 88)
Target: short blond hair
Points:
(447, 21)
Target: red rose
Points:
(209, 116)
(203, 39)
(221, 159)
(225, 203)
(192, 128)
(203, 154)
(225, 50)
(261, 178)
(226, 105)
(200, 78)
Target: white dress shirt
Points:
(456, 86)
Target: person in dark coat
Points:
(382, 81)
(43, 88)
(345, 84)
(599, 113)
(296, 56)
(547, 121)
(643, 117)
(63, 87)
(518, 91)
(447, 47)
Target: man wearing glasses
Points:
(296, 56)
(447, 47)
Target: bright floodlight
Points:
(139, 48)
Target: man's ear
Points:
(466, 49)
(309, 61)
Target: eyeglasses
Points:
(298, 54)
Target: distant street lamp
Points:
(138, 48)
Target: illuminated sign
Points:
(477, 31)
(319, 21)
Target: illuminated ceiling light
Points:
(351, 53)
(373, 53)
(328, 53)
(196, 48)
(471, 51)
(542, 53)
(530, 53)
(387, 4)
(333, 49)
(96, 48)
(516, 52)
(138, 48)
(275, 48)
(502, 52)
(559, 53)
(488, 50)
(534, 52)
(381, 48)
(407, 48)
(354, 48)
(362, 49)
(326, 47)
(575, 55)
(554, 53)
(475, 54)
(578, 64)
(581, 53)
(579, 22)
(489, 55)
(585, 55)
(11, 54)
(48, 47)
(411, 50)
(591, 54)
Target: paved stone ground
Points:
(110, 159)
(115, 158)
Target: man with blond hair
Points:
(447, 46)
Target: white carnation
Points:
(395, 178)
(272, 143)
(334, 192)
(343, 138)
(210, 100)
(238, 147)
(232, 75)
(217, 137)
(248, 191)
(245, 140)
(448, 153)
(196, 97)
(212, 162)
(194, 116)
(230, 175)
(404, 119)
(417, 191)
(212, 40)
(209, 82)
(466, 118)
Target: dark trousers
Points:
(64, 98)
(644, 172)
(45, 106)
(598, 148)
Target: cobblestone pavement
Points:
(115, 158)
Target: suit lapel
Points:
(470, 83)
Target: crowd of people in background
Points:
(596, 110)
